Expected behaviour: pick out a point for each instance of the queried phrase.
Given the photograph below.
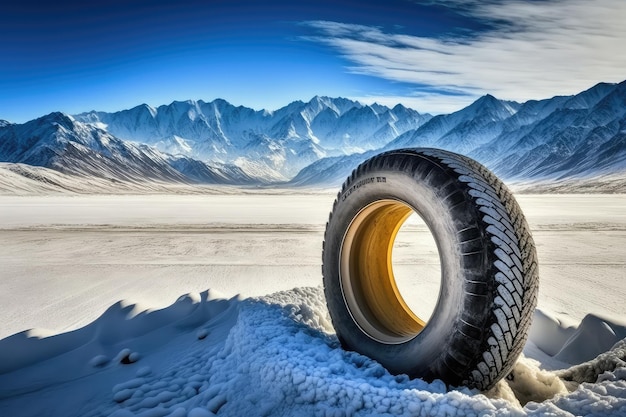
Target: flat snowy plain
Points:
(222, 312)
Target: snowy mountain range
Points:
(59, 142)
(319, 142)
(562, 138)
(272, 145)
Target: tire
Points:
(489, 278)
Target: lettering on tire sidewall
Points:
(362, 183)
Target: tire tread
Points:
(513, 268)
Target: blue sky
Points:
(435, 56)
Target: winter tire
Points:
(489, 280)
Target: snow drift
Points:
(276, 356)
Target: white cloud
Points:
(536, 50)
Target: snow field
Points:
(79, 253)
(67, 260)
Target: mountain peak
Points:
(590, 97)
(148, 107)
(219, 102)
(318, 102)
(323, 99)
(488, 99)
(140, 109)
(488, 105)
(399, 107)
(58, 118)
(183, 104)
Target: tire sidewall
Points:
(423, 354)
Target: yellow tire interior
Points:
(367, 278)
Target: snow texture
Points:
(268, 356)
(66, 259)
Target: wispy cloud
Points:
(535, 49)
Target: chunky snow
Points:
(270, 351)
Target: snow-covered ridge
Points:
(59, 142)
(276, 144)
(577, 139)
(574, 141)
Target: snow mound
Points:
(40, 358)
(275, 355)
